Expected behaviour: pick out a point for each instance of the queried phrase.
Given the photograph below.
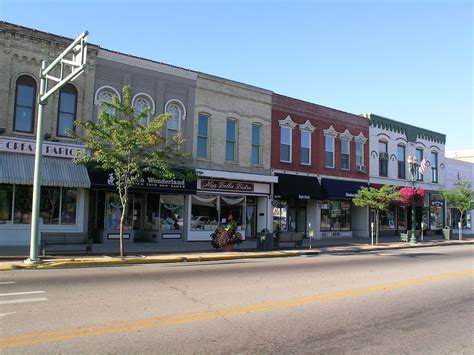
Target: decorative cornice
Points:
(307, 126)
(287, 122)
(330, 132)
(346, 135)
(360, 138)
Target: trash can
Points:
(265, 240)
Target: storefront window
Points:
(401, 220)
(69, 206)
(436, 212)
(204, 212)
(280, 211)
(23, 203)
(152, 219)
(454, 218)
(387, 218)
(171, 212)
(336, 216)
(233, 206)
(49, 210)
(113, 212)
(6, 196)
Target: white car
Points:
(199, 222)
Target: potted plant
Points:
(226, 236)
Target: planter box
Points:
(447, 232)
(405, 237)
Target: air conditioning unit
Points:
(361, 168)
(383, 155)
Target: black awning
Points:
(297, 186)
(341, 189)
(105, 180)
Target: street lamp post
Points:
(412, 168)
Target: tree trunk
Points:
(122, 219)
(377, 228)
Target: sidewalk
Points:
(147, 253)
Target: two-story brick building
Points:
(320, 156)
(391, 143)
(64, 194)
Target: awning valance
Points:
(341, 189)
(298, 186)
(19, 169)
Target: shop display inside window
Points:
(171, 212)
(69, 206)
(454, 217)
(113, 212)
(232, 206)
(152, 219)
(436, 212)
(49, 206)
(336, 216)
(280, 212)
(204, 212)
(387, 218)
(401, 220)
(23, 203)
(6, 196)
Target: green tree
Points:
(120, 142)
(377, 199)
(460, 197)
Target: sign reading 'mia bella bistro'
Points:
(24, 146)
(224, 185)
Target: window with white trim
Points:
(285, 144)
(345, 154)
(25, 97)
(256, 143)
(434, 167)
(305, 148)
(174, 122)
(419, 158)
(231, 140)
(203, 136)
(359, 149)
(105, 95)
(329, 151)
(141, 104)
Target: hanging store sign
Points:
(224, 185)
(50, 149)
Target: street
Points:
(400, 301)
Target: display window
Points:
(336, 215)
(454, 217)
(436, 212)
(204, 212)
(289, 216)
(402, 218)
(387, 218)
(23, 203)
(49, 205)
(6, 197)
(171, 212)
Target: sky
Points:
(408, 60)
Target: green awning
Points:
(19, 169)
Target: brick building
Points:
(320, 156)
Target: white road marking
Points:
(20, 293)
(6, 314)
(7, 282)
(23, 300)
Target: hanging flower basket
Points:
(410, 194)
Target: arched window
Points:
(174, 122)
(142, 102)
(67, 110)
(25, 104)
(105, 94)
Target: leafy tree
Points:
(378, 199)
(460, 198)
(120, 142)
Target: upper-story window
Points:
(203, 136)
(419, 158)
(231, 140)
(359, 150)
(329, 151)
(176, 111)
(434, 167)
(143, 102)
(305, 149)
(105, 94)
(25, 104)
(345, 154)
(383, 159)
(401, 161)
(256, 143)
(285, 144)
(67, 110)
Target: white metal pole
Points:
(372, 232)
(34, 238)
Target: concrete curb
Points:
(222, 256)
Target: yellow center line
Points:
(43, 337)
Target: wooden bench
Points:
(288, 237)
(58, 242)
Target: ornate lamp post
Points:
(412, 168)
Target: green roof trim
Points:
(411, 132)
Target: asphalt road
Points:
(403, 301)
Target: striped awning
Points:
(19, 169)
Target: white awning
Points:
(19, 169)
(237, 176)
